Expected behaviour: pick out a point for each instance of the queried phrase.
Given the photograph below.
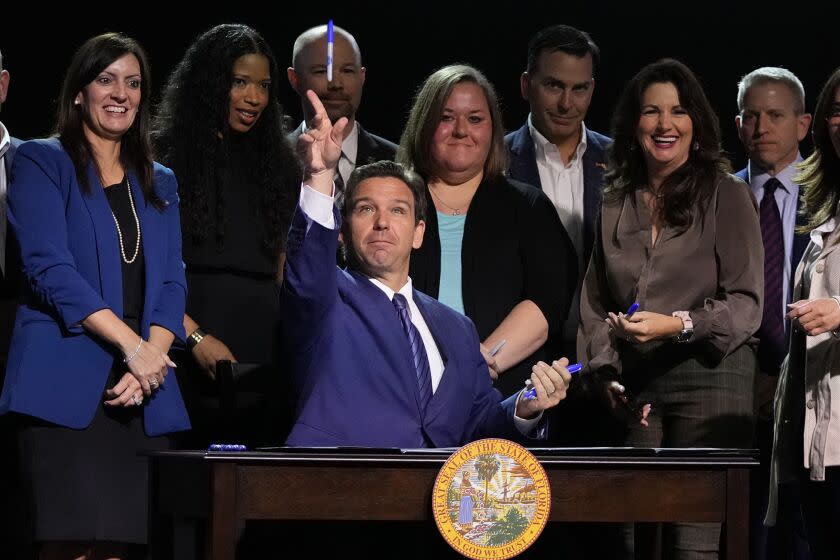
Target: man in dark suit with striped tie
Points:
(771, 122)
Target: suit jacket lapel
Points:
(448, 381)
(107, 244)
(593, 180)
(523, 163)
(154, 246)
(383, 320)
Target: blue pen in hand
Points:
(531, 391)
(633, 309)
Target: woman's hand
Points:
(149, 365)
(644, 326)
(126, 393)
(209, 351)
(815, 316)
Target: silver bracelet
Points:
(133, 354)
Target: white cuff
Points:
(523, 426)
(317, 206)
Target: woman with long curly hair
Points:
(222, 130)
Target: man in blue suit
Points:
(554, 150)
(377, 363)
(771, 122)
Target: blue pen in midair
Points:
(330, 45)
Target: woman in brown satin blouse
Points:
(681, 237)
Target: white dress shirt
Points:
(563, 183)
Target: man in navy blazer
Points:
(771, 122)
(355, 360)
(554, 150)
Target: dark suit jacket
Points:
(11, 280)
(523, 167)
(71, 260)
(354, 376)
(514, 248)
(371, 147)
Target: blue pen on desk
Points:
(227, 447)
(531, 392)
(330, 46)
(633, 309)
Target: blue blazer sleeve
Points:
(42, 177)
(168, 311)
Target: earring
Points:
(695, 146)
(77, 103)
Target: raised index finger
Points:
(317, 106)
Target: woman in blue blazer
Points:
(98, 226)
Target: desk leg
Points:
(737, 513)
(224, 523)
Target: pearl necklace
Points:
(125, 259)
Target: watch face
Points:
(685, 335)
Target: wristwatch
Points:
(687, 332)
(194, 338)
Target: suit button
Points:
(820, 267)
(810, 404)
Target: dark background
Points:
(402, 43)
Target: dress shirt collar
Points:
(407, 290)
(541, 143)
(819, 233)
(757, 177)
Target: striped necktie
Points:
(418, 351)
(771, 334)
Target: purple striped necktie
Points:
(771, 334)
(418, 351)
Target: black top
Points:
(514, 248)
(231, 286)
(133, 274)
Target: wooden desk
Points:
(586, 485)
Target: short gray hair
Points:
(772, 74)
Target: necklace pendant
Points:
(456, 212)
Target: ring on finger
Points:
(138, 400)
(153, 383)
